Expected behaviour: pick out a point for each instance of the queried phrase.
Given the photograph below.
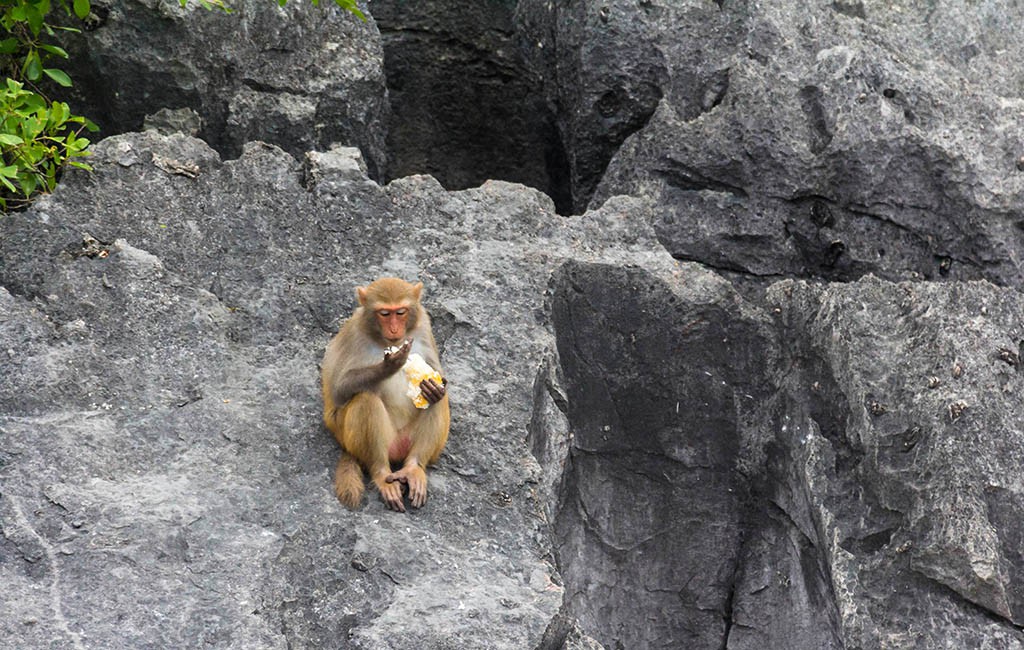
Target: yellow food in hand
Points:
(417, 370)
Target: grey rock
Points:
(334, 169)
(842, 475)
(644, 453)
(780, 139)
(298, 76)
(836, 469)
(891, 450)
(649, 526)
(565, 633)
(171, 120)
(166, 476)
(607, 65)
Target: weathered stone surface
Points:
(659, 376)
(782, 139)
(174, 120)
(714, 465)
(846, 479)
(298, 76)
(837, 471)
(894, 452)
(166, 477)
(606, 66)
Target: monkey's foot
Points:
(391, 493)
(416, 479)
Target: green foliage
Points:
(39, 137)
(350, 6)
(347, 5)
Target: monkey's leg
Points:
(348, 476)
(367, 433)
(429, 435)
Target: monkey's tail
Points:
(348, 481)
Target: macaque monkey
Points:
(365, 401)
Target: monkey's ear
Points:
(417, 289)
(361, 294)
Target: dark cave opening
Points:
(465, 106)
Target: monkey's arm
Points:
(357, 380)
(348, 383)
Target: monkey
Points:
(365, 401)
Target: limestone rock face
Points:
(298, 76)
(659, 377)
(781, 139)
(825, 474)
(166, 475)
(763, 394)
(608, 65)
(911, 421)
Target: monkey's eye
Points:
(383, 313)
(402, 312)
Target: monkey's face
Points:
(393, 321)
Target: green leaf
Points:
(80, 165)
(14, 86)
(33, 102)
(31, 127)
(59, 76)
(53, 49)
(59, 112)
(33, 67)
(10, 171)
(51, 177)
(352, 7)
(28, 184)
(9, 186)
(34, 18)
(9, 45)
(10, 139)
(82, 8)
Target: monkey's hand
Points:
(395, 358)
(416, 479)
(432, 391)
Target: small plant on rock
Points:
(39, 136)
